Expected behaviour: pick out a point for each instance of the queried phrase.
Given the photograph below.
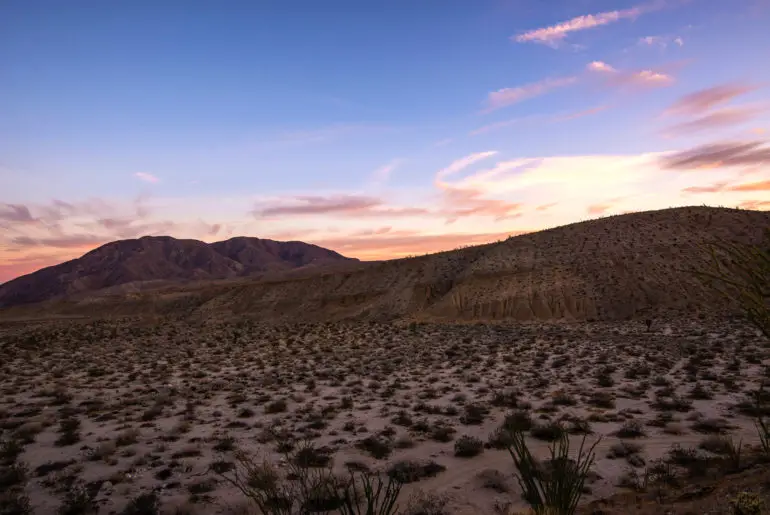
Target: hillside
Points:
(607, 269)
(162, 259)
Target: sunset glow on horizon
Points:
(377, 132)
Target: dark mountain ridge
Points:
(163, 258)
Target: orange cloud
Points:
(714, 188)
(404, 243)
(597, 209)
(756, 205)
(545, 207)
(752, 186)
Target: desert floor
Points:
(116, 409)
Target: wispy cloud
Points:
(623, 77)
(719, 155)
(16, 213)
(462, 163)
(701, 101)
(554, 34)
(350, 205)
(661, 42)
(553, 118)
(509, 96)
(146, 177)
(714, 120)
(382, 174)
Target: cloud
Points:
(701, 101)
(309, 205)
(600, 66)
(462, 163)
(752, 186)
(724, 186)
(546, 207)
(717, 155)
(714, 188)
(350, 205)
(623, 77)
(404, 243)
(756, 205)
(382, 174)
(713, 120)
(66, 242)
(650, 77)
(146, 177)
(660, 41)
(533, 119)
(554, 34)
(598, 209)
(509, 96)
(16, 213)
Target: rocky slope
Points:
(634, 265)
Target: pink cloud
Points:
(146, 177)
(509, 96)
(716, 155)
(600, 66)
(715, 119)
(16, 213)
(701, 101)
(353, 205)
(552, 35)
(624, 77)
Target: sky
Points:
(379, 129)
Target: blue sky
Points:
(182, 117)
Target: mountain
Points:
(631, 265)
(155, 260)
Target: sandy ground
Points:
(155, 406)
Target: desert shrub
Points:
(408, 471)
(623, 449)
(747, 503)
(549, 431)
(493, 479)
(69, 432)
(143, 504)
(377, 447)
(307, 455)
(710, 425)
(556, 489)
(601, 400)
(519, 420)
(442, 432)
(473, 414)
(422, 503)
(277, 406)
(305, 490)
(78, 501)
(630, 429)
(468, 446)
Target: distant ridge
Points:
(164, 259)
(618, 267)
